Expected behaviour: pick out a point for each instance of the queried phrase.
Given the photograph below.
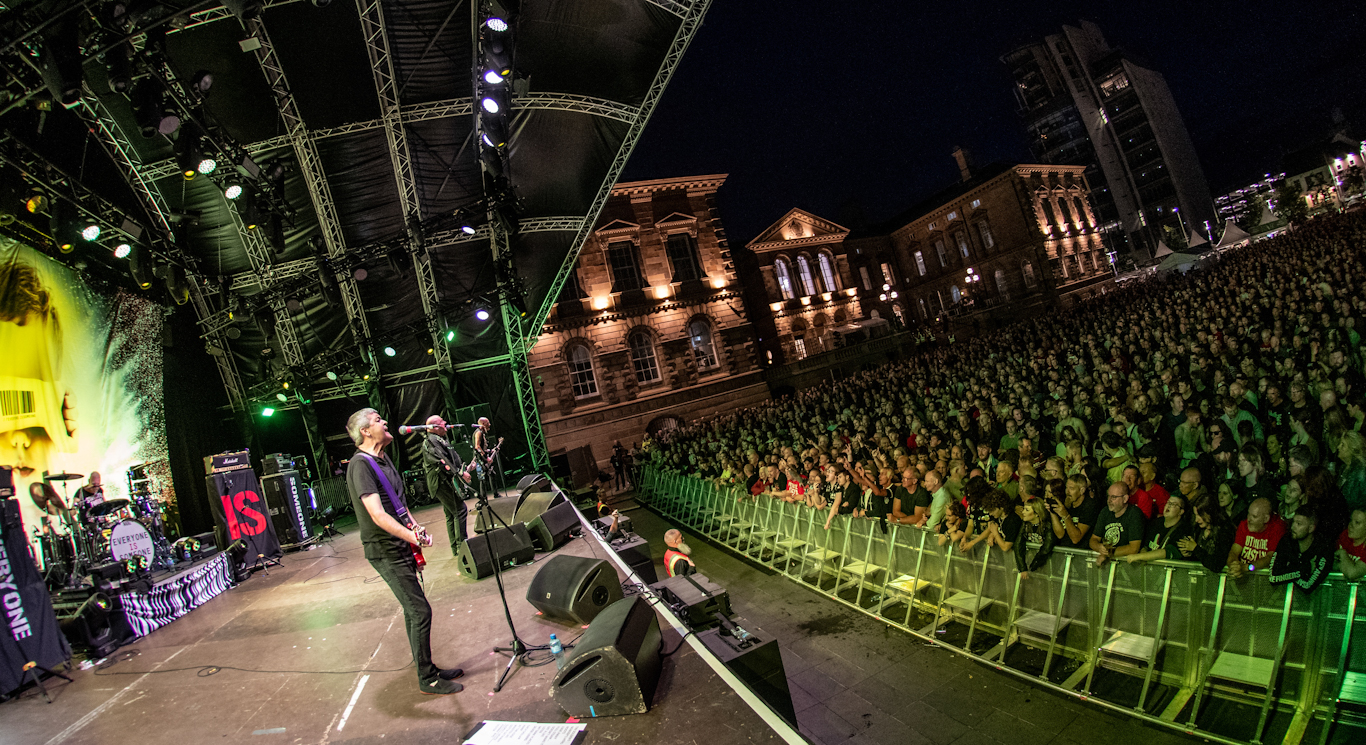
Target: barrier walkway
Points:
(1167, 642)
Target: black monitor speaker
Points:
(535, 503)
(554, 527)
(615, 666)
(513, 545)
(574, 588)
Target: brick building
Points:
(806, 284)
(651, 326)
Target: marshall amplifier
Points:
(286, 499)
(227, 462)
(277, 462)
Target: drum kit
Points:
(98, 532)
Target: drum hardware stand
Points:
(38, 681)
(518, 648)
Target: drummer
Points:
(93, 492)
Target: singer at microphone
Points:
(410, 428)
(445, 470)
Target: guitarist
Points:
(389, 535)
(484, 450)
(443, 467)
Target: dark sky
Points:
(849, 109)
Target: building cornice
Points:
(810, 240)
(709, 183)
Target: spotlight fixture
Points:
(232, 190)
(267, 411)
(389, 352)
(497, 24)
(120, 68)
(468, 229)
(481, 314)
(91, 232)
(332, 376)
(282, 398)
(139, 267)
(122, 250)
(60, 62)
(207, 165)
(285, 385)
(490, 104)
(36, 202)
(149, 107)
(202, 81)
(450, 335)
(492, 77)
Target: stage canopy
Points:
(416, 176)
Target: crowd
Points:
(1212, 417)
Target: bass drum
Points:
(130, 538)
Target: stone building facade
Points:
(651, 326)
(807, 287)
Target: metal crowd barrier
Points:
(1167, 642)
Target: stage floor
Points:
(283, 655)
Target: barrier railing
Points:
(1168, 642)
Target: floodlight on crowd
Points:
(122, 250)
(233, 190)
(91, 232)
(492, 77)
(490, 104)
(267, 411)
(389, 352)
(481, 314)
(207, 165)
(497, 24)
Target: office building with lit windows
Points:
(1085, 103)
(651, 329)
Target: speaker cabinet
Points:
(513, 545)
(553, 528)
(635, 551)
(536, 503)
(574, 588)
(615, 666)
(694, 599)
(533, 482)
(758, 664)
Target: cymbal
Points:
(62, 476)
(47, 498)
(107, 507)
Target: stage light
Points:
(430, 350)
(495, 131)
(91, 232)
(139, 268)
(246, 10)
(285, 385)
(389, 352)
(332, 376)
(489, 104)
(60, 62)
(282, 398)
(481, 314)
(267, 411)
(468, 229)
(233, 190)
(497, 24)
(450, 335)
(120, 69)
(176, 285)
(202, 81)
(122, 250)
(207, 165)
(36, 202)
(492, 77)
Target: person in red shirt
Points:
(1352, 547)
(1256, 540)
(1157, 493)
(1137, 496)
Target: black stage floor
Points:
(281, 658)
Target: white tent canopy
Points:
(1195, 239)
(1178, 261)
(1162, 250)
(1233, 235)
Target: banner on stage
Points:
(241, 512)
(28, 625)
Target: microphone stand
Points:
(517, 647)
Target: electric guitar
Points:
(480, 462)
(423, 539)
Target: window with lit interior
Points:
(699, 332)
(804, 273)
(784, 275)
(625, 267)
(828, 272)
(643, 358)
(682, 250)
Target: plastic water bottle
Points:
(557, 651)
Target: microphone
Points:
(405, 429)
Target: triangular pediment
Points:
(675, 218)
(617, 226)
(798, 227)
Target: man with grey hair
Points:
(677, 561)
(388, 533)
(443, 466)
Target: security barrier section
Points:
(1168, 642)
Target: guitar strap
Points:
(400, 510)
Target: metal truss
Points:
(514, 333)
(680, 9)
(120, 151)
(692, 21)
(392, 120)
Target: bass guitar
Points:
(480, 463)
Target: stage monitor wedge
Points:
(574, 588)
(534, 503)
(554, 527)
(615, 666)
(513, 545)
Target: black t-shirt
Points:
(1122, 530)
(1083, 514)
(1159, 536)
(850, 498)
(1010, 528)
(361, 480)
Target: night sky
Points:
(851, 110)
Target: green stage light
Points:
(450, 334)
(267, 411)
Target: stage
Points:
(314, 652)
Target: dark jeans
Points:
(456, 517)
(401, 576)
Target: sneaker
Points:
(451, 674)
(440, 687)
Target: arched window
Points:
(828, 273)
(804, 272)
(702, 348)
(784, 273)
(643, 357)
(581, 377)
(963, 244)
(900, 316)
(1001, 282)
(923, 312)
(956, 294)
(1028, 270)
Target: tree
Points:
(1253, 216)
(1289, 202)
(1173, 237)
